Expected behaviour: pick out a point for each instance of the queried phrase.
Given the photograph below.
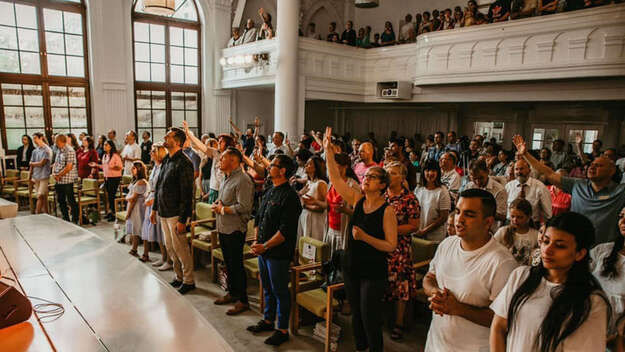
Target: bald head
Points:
(602, 169)
(366, 152)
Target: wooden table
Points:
(112, 301)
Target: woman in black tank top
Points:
(373, 229)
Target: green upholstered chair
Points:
(88, 194)
(204, 222)
(422, 253)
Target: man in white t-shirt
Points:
(407, 32)
(530, 189)
(466, 274)
(131, 152)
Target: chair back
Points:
(312, 251)
(24, 175)
(203, 211)
(10, 173)
(51, 180)
(422, 249)
(90, 184)
(126, 180)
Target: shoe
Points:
(261, 326)
(165, 267)
(277, 338)
(176, 283)
(122, 239)
(223, 300)
(144, 258)
(133, 253)
(238, 308)
(158, 263)
(186, 288)
(110, 217)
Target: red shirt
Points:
(84, 158)
(560, 202)
(334, 200)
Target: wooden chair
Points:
(88, 194)
(11, 185)
(422, 253)
(217, 255)
(315, 300)
(204, 222)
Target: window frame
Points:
(167, 86)
(44, 79)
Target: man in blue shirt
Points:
(599, 197)
(40, 164)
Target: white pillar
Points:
(287, 87)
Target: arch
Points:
(167, 62)
(317, 5)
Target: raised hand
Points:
(519, 143)
(579, 138)
(327, 141)
(185, 125)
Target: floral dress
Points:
(401, 276)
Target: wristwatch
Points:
(223, 210)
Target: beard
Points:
(522, 179)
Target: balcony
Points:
(581, 44)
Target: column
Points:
(287, 86)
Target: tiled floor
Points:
(233, 328)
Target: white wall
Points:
(249, 103)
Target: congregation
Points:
(510, 226)
(411, 27)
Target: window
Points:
(544, 137)
(43, 69)
(489, 130)
(588, 136)
(167, 69)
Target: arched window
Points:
(43, 69)
(167, 69)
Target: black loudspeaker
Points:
(14, 307)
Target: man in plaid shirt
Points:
(65, 173)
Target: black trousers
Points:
(111, 184)
(65, 194)
(232, 247)
(365, 297)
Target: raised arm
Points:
(196, 142)
(237, 131)
(349, 194)
(579, 149)
(553, 177)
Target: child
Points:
(451, 224)
(135, 209)
(519, 237)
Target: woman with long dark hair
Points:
(313, 198)
(339, 211)
(100, 147)
(557, 305)
(373, 229)
(608, 266)
(435, 203)
(24, 152)
(112, 168)
(88, 156)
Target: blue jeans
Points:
(274, 274)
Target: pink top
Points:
(116, 160)
(361, 169)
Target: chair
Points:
(88, 194)
(204, 223)
(217, 254)
(422, 253)
(316, 300)
(11, 185)
(120, 212)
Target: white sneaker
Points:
(166, 266)
(158, 263)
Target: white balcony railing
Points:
(587, 43)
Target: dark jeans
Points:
(232, 248)
(65, 193)
(274, 274)
(111, 184)
(365, 297)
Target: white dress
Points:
(134, 220)
(312, 224)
